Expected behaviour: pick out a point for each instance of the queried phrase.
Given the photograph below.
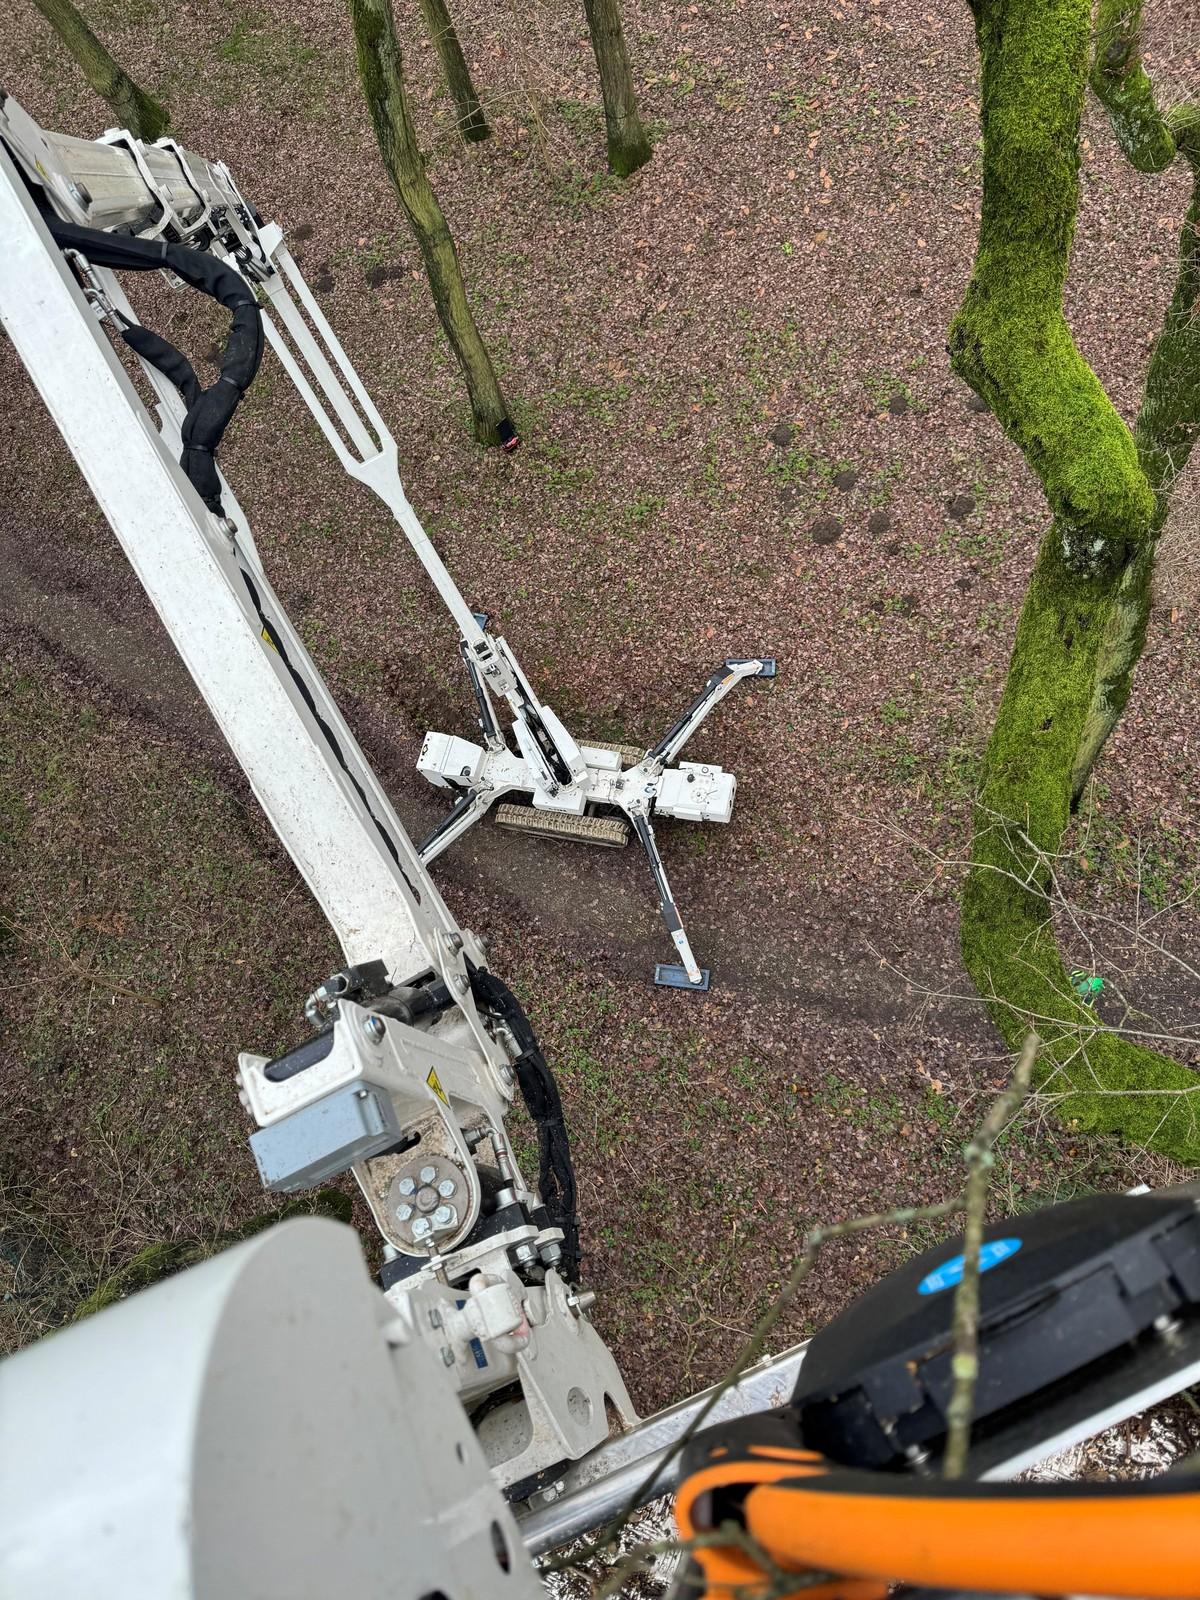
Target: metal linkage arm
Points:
(360, 439)
(718, 686)
(697, 977)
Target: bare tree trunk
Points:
(628, 143)
(472, 123)
(133, 107)
(381, 68)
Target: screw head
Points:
(421, 1227)
(428, 1174)
(407, 1186)
(374, 1028)
(403, 1212)
(446, 1188)
(445, 1217)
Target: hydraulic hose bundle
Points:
(209, 411)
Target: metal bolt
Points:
(447, 1356)
(374, 1028)
(582, 1300)
(421, 1227)
(403, 1212)
(462, 983)
(1167, 1327)
(435, 1319)
(428, 1174)
(406, 1186)
(390, 1252)
(525, 1253)
(445, 1217)
(446, 1188)
(453, 941)
(551, 1253)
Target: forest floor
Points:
(741, 436)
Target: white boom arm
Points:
(421, 1050)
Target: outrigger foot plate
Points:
(669, 975)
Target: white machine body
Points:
(265, 1424)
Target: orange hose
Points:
(875, 1529)
(1039, 1540)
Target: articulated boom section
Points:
(418, 1049)
(569, 788)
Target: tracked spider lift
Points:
(161, 195)
(272, 1422)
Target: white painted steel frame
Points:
(195, 577)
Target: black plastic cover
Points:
(1063, 1289)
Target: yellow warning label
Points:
(267, 639)
(435, 1083)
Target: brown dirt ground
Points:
(791, 256)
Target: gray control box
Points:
(325, 1139)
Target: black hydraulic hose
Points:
(556, 1171)
(209, 411)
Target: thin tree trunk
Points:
(628, 143)
(1010, 341)
(381, 68)
(472, 123)
(133, 107)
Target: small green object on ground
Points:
(1087, 986)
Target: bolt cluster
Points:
(423, 1202)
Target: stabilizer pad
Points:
(669, 975)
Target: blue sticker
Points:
(950, 1272)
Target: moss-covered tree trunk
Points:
(472, 123)
(1169, 420)
(1010, 341)
(628, 142)
(381, 69)
(133, 107)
